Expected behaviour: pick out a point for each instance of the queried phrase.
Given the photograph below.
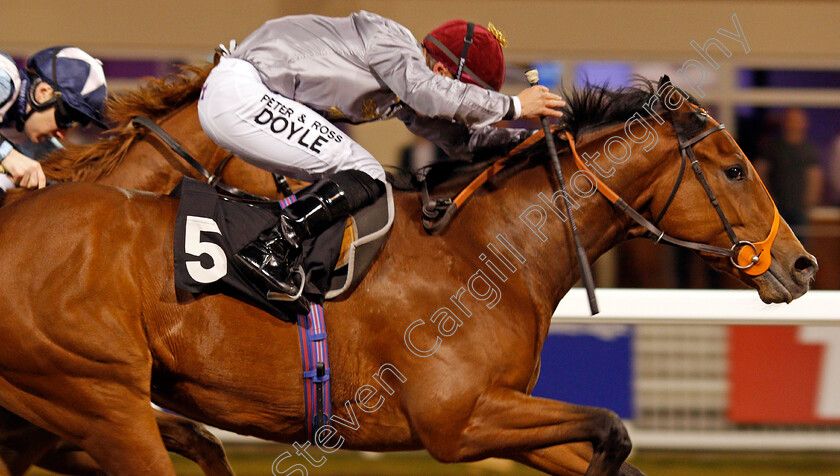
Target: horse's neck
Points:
(150, 165)
(554, 268)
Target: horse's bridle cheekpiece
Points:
(752, 258)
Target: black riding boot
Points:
(274, 258)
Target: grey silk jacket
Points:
(365, 67)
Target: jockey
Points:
(60, 87)
(272, 101)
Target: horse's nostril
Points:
(806, 267)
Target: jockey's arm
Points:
(23, 171)
(394, 56)
(461, 142)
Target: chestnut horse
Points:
(438, 348)
(23, 444)
(133, 158)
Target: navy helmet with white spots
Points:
(77, 78)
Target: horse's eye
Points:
(735, 172)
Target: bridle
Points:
(213, 179)
(753, 258)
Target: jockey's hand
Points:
(25, 172)
(538, 101)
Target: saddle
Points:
(211, 228)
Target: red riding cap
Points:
(485, 62)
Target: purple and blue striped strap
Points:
(312, 333)
(316, 369)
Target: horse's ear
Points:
(672, 97)
(663, 81)
(667, 88)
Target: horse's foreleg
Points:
(111, 420)
(506, 422)
(193, 441)
(126, 440)
(114, 425)
(70, 459)
(180, 435)
(562, 459)
(572, 459)
(21, 443)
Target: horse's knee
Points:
(201, 432)
(444, 446)
(194, 441)
(446, 440)
(452, 454)
(610, 434)
(628, 469)
(182, 431)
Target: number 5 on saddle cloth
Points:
(210, 230)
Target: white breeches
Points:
(244, 117)
(6, 183)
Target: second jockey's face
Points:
(41, 125)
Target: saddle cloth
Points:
(210, 230)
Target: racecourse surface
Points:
(256, 460)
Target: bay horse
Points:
(438, 348)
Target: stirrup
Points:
(293, 293)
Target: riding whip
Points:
(585, 271)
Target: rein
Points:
(753, 258)
(438, 212)
(213, 179)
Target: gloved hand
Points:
(25, 172)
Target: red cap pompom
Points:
(485, 63)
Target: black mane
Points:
(596, 105)
(588, 108)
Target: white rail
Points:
(668, 316)
(696, 307)
(733, 440)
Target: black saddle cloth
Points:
(210, 230)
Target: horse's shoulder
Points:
(82, 197)
(98, 191)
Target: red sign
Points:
(784, 374)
